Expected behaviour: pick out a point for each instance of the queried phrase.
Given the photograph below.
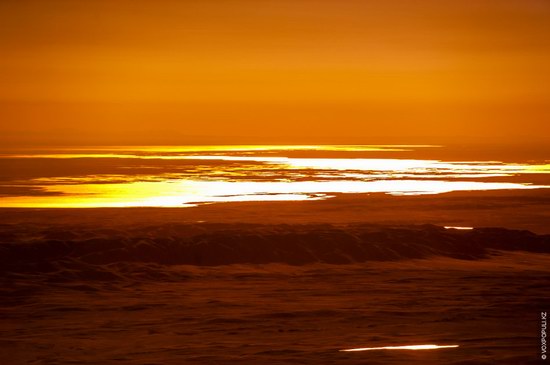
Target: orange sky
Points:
(280, 71)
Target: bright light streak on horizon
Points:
(130, 151)
(384, 164)
(409, 347)
(226, 148)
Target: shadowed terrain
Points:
(46, 249)
(222, 293)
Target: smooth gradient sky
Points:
(281, 71)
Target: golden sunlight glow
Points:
(300, 71)
(410, 347)
(459, 228)
(225, 175)
(192, 192)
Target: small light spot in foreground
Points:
(411, 347)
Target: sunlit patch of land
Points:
(459, 228)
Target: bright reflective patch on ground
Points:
(410, 347)
(460, 228)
